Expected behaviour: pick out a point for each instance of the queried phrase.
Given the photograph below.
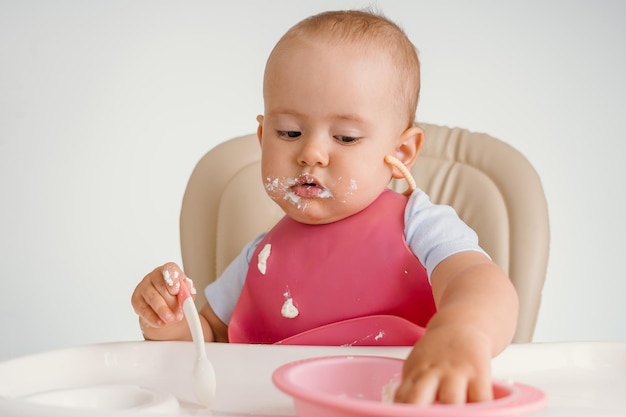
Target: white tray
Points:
(581, 379)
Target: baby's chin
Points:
(315, 211)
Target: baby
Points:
(340, 93)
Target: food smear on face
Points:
(307, 186)
(353, 186)
(289, 310)
(293, 199)
(325, 193)
(263, 257)
(295, 190)
(351, 190)
(279, 185)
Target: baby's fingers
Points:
(453, 390)
(152, 309)
(153, 300)
(166, 312)
(420, 391)
(147, 316)
(431, 387)
(480, 389)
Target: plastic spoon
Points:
(203, 373)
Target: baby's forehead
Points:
(348, 49)
(388, 48)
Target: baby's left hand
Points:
(450, 365)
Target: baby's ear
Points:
(259, 129)
(409, 145)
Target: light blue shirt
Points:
(432, 231)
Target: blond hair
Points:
(369, 29)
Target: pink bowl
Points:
(352, 386)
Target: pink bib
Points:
(304, 276)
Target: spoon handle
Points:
(193, 320)
(203, 373)
(192, 317)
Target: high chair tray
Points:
(579, 379)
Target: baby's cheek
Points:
(344, 189)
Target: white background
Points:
(105, 107)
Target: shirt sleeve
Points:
(223, 293)
(435, 231)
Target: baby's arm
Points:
(476, 317)
(160, 315)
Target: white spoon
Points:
(203, 373)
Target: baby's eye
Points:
(346, 139)
(289, 133)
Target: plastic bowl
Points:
(352, 386)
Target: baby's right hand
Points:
(154, 298)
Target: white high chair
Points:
(491, 185)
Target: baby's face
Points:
(330, 118)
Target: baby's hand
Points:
(154, 298)
(448, 365)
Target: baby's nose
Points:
(313, 152)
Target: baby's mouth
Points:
(307, 186)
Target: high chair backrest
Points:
(492, 186)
